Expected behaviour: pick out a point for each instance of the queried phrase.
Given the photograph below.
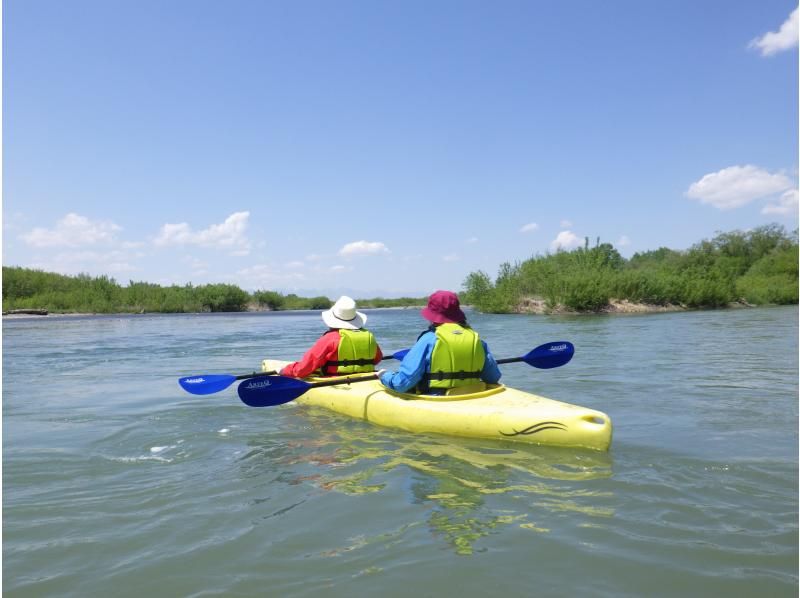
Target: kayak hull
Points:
(498, 413)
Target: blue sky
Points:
(386, 148)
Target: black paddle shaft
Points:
(510, 360)
(338, 381)
(255, 375)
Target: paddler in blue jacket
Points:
(449, 355)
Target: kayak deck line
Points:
(498, 412)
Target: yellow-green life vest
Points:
(357, 350)
(457, 358)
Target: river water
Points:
(118, 483)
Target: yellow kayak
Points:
(498, 412)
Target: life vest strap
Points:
(349, 362)
(451, 375)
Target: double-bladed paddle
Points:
(277, 390)
(206, 384)
(546, 356)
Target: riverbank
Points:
(533, 305)
(54, 315)
(250, 309)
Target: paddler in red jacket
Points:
(346, 348)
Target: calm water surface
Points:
(117, 483)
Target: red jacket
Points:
(324, 350)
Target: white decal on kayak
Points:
(557, 348)
(194, 380)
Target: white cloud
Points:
(198, 267)
(262, 274)
(566, 240)
(120, 267)
(623, 241)
(295, 264)
(566, 224)
(339, 268)
(75, 262)
(529, 228)
(777, 41)
(736, 186)
(257, 271)
(14, 221)
(472, 240)
(363, 248)
(452, 257)
(786, 204)
(228, 235)
(72, 230)
(132, 244)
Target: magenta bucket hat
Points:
(443, 308)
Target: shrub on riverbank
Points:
(25, 288)
(757, 266)
(33, 289)
(400, 302)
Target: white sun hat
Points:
(343, 314)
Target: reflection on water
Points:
(455, 478)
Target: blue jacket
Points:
(418, 361)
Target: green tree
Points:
(271, 299)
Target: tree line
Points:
(25, 288)
(759, 266)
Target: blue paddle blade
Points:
(271, 391)
(206, 384)
(398, 355)
(550, 355)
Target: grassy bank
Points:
(757, 267)
(24, 288)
